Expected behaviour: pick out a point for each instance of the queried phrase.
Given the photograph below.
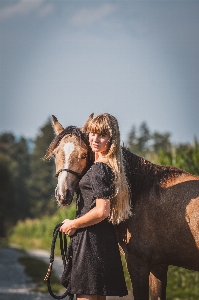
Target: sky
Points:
(137, 60)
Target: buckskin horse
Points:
(164, 227)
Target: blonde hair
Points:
(107, 124)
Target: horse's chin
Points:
(64, 202)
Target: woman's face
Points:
(99, 143)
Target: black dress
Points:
(96, 262)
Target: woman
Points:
(104, 200)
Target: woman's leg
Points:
(86, 297)
(90, 297)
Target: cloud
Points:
(87, 16)
(24, 7)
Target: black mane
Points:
(142, 174)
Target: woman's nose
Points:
(96, 137)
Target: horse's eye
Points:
(84, 156)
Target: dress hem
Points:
(98, 293)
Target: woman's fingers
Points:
(67, 227)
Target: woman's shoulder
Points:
(102, 163)
(102, 168)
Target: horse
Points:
(163, 229)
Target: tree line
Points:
(27, 181)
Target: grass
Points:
(3, 243)
(36, 269)
(37, 233)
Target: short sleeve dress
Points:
(96, 262)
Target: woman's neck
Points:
(100, 156)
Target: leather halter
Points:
(79, 175)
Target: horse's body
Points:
(164, 227)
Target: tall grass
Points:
(37, 233)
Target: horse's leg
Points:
(139, 274)
(158, 282)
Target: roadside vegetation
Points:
(35, 269)
(28, 210)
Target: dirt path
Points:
(15, 285)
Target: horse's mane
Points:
(70, 130)
(142, 174)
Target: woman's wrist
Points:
(75, 224)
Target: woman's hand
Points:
(67, 227)
(97, 214)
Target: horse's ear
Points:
(58, 128)
(85, 126)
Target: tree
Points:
(14, 167)
(42, 181)
(138, 140)
(161, 141)
(7, 196)
(143, 142)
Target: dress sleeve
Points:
(102, 181)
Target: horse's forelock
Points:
(70, 130)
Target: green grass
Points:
(182, 284)
(37, 233)
(36, 269)
(126, 274)
(3, 243)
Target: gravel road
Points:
(15, 285)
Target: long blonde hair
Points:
(107, 124)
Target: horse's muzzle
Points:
(62, 199)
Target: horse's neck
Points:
(142, 174)
(136, 165)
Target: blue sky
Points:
(138, 60)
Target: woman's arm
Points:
(97, 214)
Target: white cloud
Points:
(87, 16)
(23, 7)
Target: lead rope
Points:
(63, 248)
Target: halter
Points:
(79, 175)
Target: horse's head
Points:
(72, 155)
